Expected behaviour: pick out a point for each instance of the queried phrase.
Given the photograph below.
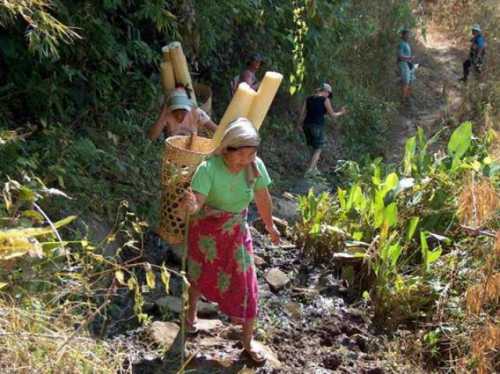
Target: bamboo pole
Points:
(167, 77)
(238, 107)
(264, 98)
(165, 51)
(181, 69)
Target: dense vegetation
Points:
(79, 85)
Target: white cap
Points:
(326, 87)
(179, 99)
(476, 27)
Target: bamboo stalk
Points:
(181, 69)
(165, 51)
(265, 95)
(238, 107)
(167, 77)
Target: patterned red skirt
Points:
(220, 261)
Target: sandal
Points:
(191, 328)
(256, 355)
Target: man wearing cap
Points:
(248, 75)
(476, 53)
(405, 65)
(312, 118)
(179, 117)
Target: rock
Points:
(209, 324)
(258, 261)
(174, 304)
(212, 342)
(374, 370)
(362, 342)
(246, 370)
(332, 361)
(276, 279)
(294, 309)
(286, 208)
(163, 333)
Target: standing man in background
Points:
(312, 119)
(406, 66)
(476, 53)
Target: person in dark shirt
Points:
(476, 53)
(312, 118)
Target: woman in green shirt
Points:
(220, 253)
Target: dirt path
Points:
(436, 93)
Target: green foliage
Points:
(397, 219)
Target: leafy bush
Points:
(398, 220)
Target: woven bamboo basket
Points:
(182, 156)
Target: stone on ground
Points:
(174, 304)
(276, 279)
(163, 333)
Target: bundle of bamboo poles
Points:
(175, 70)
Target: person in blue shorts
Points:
(312, 118)
(476, 53)
(405, 65)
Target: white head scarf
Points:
(241, 133)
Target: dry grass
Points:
(486, 349)
(479, 295)
(36, 340)
(478, 203)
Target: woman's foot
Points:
(191, 328)
(257, 356)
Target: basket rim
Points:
(168, 142)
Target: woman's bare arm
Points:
(211, 125)
(193, 202)
(265, 207)
(155, 131)
(331, 112)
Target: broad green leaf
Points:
(460, 140)
(412, 226)
(391, 214)
(394, 253)
(341, 196)
(391, 181)
(33, 214)
(315, 229)
(410, 148)
(376, 179)
(378, 209)
(3, 284)
(120, 277)
(357, 235)
(433, 256)
(424, 248)
(355, 199)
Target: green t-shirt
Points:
(225, 190)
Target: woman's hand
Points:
(190, 203)
(274, 233)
